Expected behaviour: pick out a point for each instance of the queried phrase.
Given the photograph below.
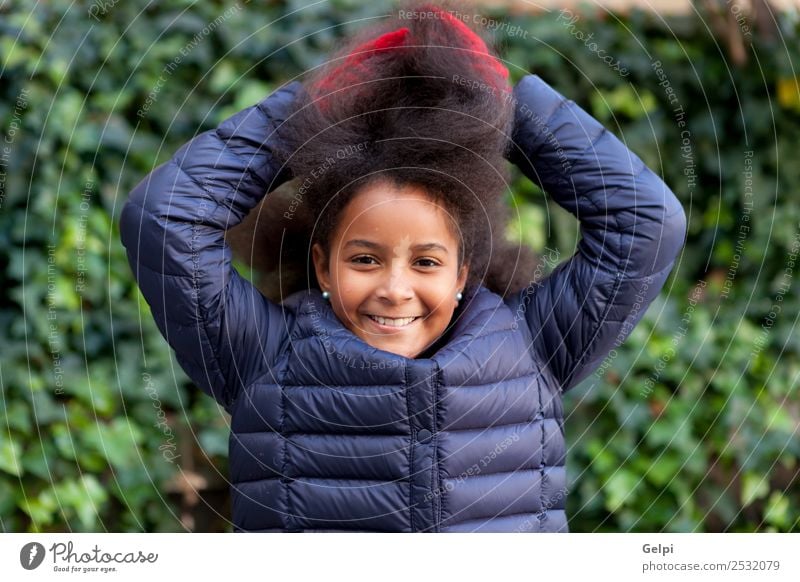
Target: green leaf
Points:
(619, 487)
(777, 512)
(10, 456)
(41, 509)
(754, 486)
(664, 469)
(117, 441)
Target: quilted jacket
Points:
(331, 434)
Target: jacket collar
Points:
(480, 312)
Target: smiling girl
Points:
(395, 269)
(413, 381)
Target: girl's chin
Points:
(394, 348)
(388, 345)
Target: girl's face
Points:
(393, 269)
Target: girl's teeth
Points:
(393, 322)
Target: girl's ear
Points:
(462, 277)
(321, 267)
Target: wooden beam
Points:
(665, 7)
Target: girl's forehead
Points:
(388, 202)
(390, 219)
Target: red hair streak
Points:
(351, 72)
(354, 70)
(483, 60)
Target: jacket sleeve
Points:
(173, 226)
(632, 230)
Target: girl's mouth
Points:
(392, 323)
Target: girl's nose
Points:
(396, 286)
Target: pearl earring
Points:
(459, 296)
(326, 295)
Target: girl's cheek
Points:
(350, 286)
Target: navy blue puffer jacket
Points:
(329, 433)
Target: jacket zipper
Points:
(437, 499)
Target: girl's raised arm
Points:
(172, 227)
(632, 229)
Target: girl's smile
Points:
(393, 269)
(392, 324)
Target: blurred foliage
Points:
(101, 430)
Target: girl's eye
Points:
(367, 260)
(363, 260)
(429, 262)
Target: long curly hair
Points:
(421, 107)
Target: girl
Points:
(414, 383)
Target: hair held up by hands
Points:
(416, 99)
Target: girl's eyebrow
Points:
(360, 242)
